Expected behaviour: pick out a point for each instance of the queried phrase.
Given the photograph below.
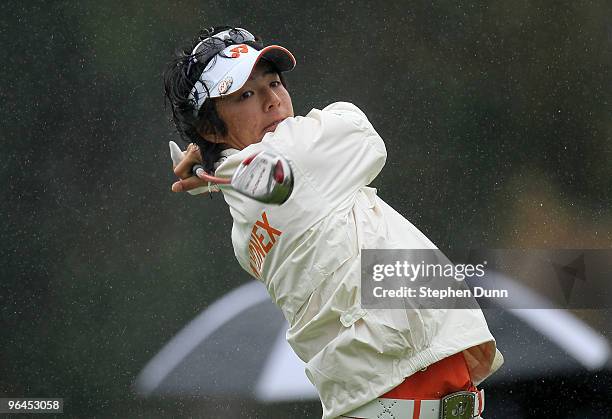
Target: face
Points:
(254, 110)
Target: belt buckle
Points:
(459, 405)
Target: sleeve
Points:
(335, 149)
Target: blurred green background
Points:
(496, 117)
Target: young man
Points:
(229, 97)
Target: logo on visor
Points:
(240, 49)
(225, 84)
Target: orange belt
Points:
(446, 376)
(419, 396)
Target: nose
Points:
(272, 100)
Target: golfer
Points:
(229, 100)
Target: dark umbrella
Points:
(237, 346)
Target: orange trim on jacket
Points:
(436, 381)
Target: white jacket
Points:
(307, 253)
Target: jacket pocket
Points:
(325, 248)
(392, 332)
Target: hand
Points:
(183, 161)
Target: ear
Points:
(209, 136)
(213, 139)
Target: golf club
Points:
(265, 177)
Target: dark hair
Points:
(179, 78)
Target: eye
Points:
(246, 95)
(275, 83)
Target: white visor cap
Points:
(229, 70)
